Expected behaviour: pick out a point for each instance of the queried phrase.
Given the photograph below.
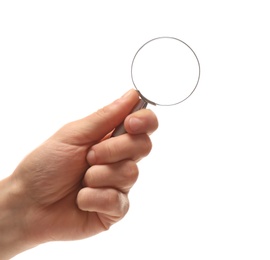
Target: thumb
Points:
(94, 127)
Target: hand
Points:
(76, 184)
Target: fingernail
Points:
(127, 94)
(122, 98)
(135, 124)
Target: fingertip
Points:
(130, 92)
(135, 124)
(142, 121)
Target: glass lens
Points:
(165, 70)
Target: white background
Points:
(204, 191)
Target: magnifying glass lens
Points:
(165, 71)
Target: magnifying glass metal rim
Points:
(151, 101)
(143, 101)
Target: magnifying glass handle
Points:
(119, 130)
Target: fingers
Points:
(95, 126)
(142, 121)
(133, 147)
(113, 168)
(107, 187)
(103, 200)
(121, 176)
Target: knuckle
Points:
(110, 150)
(123, 204)
(117, 202)
(101, 113)
(147, 144)
(131, 172)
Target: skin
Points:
(76, 184)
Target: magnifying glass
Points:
(165, 71)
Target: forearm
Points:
(13, 238)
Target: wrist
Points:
(13, 238)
